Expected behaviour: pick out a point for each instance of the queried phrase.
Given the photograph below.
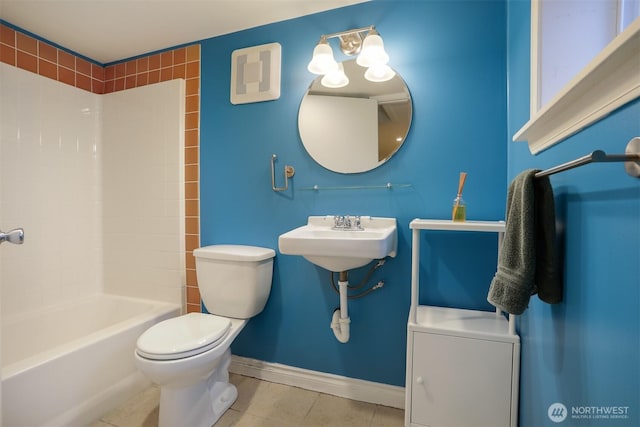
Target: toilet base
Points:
(201, 404)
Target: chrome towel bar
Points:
(631, 159)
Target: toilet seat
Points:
(183, 336)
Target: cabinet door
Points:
(460, 382)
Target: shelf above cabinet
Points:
(419, 224)
(443, 224)
(463, 323)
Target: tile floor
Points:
(265, 404)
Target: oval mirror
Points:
(358, 127)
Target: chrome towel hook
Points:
(289, 171)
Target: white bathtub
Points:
(69, 364)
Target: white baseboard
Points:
(337, 385)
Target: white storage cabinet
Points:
(463, 366)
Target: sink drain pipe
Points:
(340, 320)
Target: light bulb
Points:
(322, 61)
(336, 78)
(379, 73)
(373, 52)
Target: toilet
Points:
(188, 356)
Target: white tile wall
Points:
(143, 191)
(49, 170)
(96, 181)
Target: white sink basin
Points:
(341, 249)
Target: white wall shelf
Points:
(445, 224)
(462, 365)
(608, 82)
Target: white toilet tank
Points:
(234, 280)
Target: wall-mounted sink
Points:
(341, 249)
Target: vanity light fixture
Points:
(363, 41)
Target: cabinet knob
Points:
(419, 380)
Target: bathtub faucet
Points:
(14, 236)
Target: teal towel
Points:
(527, 260)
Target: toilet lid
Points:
(183, 336)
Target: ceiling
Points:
(111, 30)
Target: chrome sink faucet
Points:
(347, 222)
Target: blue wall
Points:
(584, 352)
(452, 56)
